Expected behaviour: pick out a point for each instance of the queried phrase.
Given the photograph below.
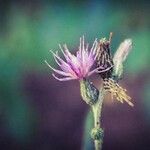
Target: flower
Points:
(79, 66)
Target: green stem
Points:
(97, 109)
(94, 98)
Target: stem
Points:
(94, 98)
(97, 110)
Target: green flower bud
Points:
(89, 92)
(97, 133)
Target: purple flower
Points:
(79, 66)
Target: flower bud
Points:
(97, 133)
(89, 92)
(120, 56)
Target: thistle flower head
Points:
(76, 67)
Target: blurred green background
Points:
(38, 112)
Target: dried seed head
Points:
(117, 91)
(104, 57)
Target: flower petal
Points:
(104, 69)
(62, 79)
(96, 70)
(61, 60)
(57, 71)
(64, 66)
(93, 47)
(66, 57)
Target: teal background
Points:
(38, 112)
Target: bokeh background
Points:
(39, 113)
